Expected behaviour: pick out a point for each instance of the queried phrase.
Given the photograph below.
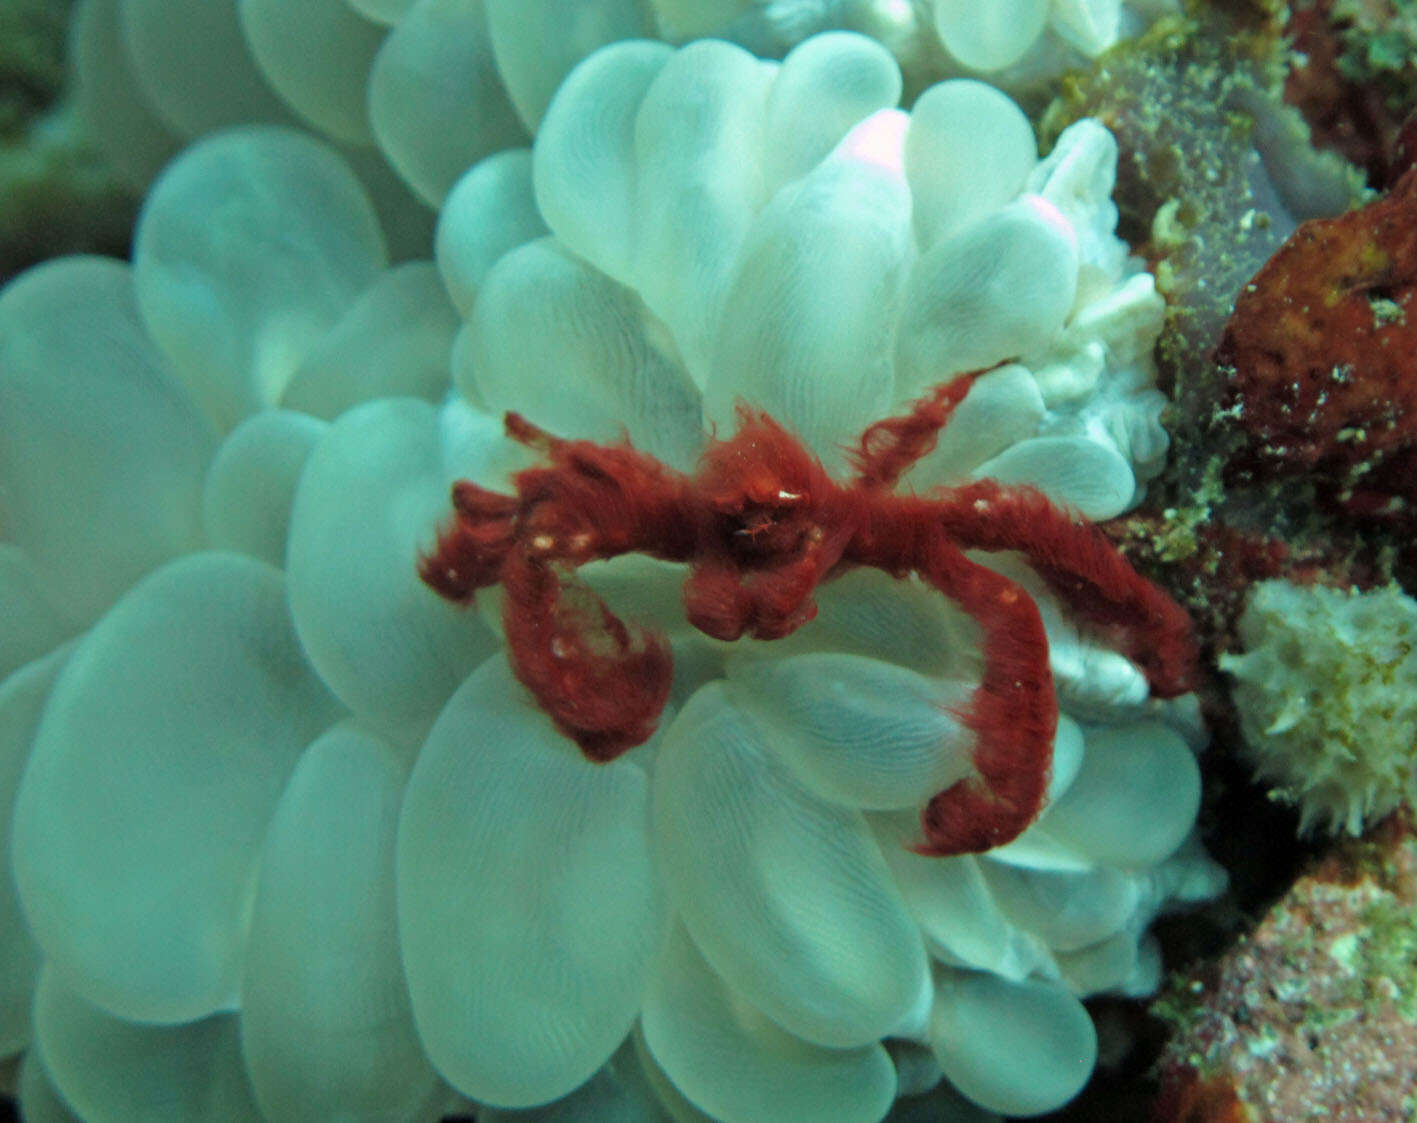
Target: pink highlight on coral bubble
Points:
(1050, 215)
(879, 140)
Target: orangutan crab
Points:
(761, 525)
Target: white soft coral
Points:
(1325, 690)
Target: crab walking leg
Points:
(1085, 570)
(473, 545)
(889, 447)
(602, 682)
(599, 501)
(1013, 712)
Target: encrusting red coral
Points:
(1323, 344)
(761, 525)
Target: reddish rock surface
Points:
(1323, 347)
(1313, 1016)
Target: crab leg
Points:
(890, 446)
(603, 683)
(1013, 712)
(1084, 569)
(472, 547)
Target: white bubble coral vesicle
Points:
(1013, 42)
(324, 944)
(207, 725)
(543, 863)
(237, 285)
(104, 446)
(1327, 695)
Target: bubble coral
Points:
(291, 842)
(412, 93)
(1013, 42)
(428, 87)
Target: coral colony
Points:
(772, 728)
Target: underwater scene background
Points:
(739, 560)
